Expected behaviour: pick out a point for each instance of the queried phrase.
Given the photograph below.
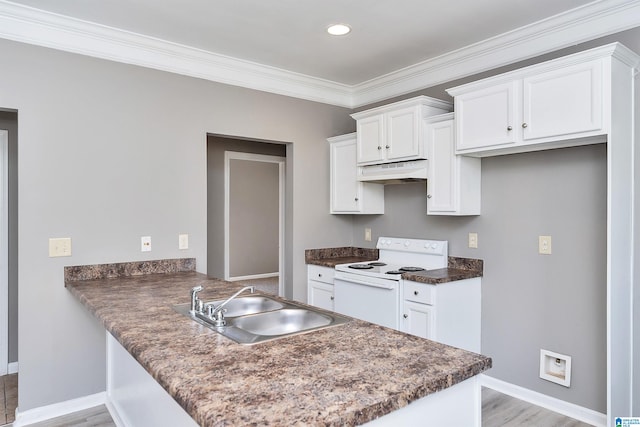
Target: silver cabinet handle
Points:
(509, 128)
(387, 147)
(524, 125)
(429, 196)
(379, 147)
(356, 199)
(415, 293)
(332, 297)
(405, 315)
(319, 274)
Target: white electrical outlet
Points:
(473, 240)
(145, 243)
(60, 247)
(544, 245)
(367, 234)
(183, 241)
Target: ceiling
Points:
(285, 42)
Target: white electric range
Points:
(371, 290)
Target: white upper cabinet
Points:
(558, 103)
(454, 181)
(486, 117)
(395, 132)
(348, 195)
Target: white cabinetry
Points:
(348, 195)
(395, 132)
(554, 104)
(448, 312)
(454, 181)
(320, 286)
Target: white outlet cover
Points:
(59, 247)
(145, 244)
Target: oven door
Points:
(372, 299)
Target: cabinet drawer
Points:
(419, 292)
(320, 274)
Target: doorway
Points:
(222, 256)
(254, 217)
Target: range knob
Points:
(407, 243)
(434, 245)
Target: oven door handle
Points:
(359, 282)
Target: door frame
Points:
(4, 252)
(236, 155)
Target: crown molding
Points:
(34, 26)
(600, 18)
(582, 24)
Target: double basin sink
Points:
(254, 319)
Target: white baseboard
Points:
(115, 415)
(48, 412)
(253, 276)
(580, 413)
(12, 368)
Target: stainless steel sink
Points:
(248, 305)
(282, 322)
(256, 319)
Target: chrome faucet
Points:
(196, 304)
(217, 313)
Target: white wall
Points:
(110, 152)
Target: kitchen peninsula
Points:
(349, 374)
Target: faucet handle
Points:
(196, 289)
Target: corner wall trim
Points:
(577, 412)
(48, 412)
(12, 368)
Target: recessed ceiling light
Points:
(338, 29)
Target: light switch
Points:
(473, 240)
(183, 241)
(544, 245)
(60, 247)
(367, 234)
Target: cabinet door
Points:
(441, 185)
(403, 134)
(417, 319)
(563, 101)
(370, 139)
(345, 187)
(487, 117)
(320, 295)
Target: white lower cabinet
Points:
(448, 313)
(320, 286)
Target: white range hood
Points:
(394, 173)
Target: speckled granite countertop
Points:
(330, 257)
(457, 269)
(340, 376)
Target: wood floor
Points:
(8, 398)
(498, 410)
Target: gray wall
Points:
(529, 301)
(9, 122)
(110, 152)
(254, 208)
